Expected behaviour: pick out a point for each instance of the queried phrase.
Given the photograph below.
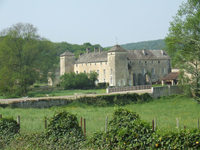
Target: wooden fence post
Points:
(177, 123)
(0, 116)
(198, 124)
(153, 125)
(18, 121)
(106, 124)
(81, 122)
(45, 123)
(84, 126)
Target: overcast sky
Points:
(94, 21)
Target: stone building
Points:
(119, 67)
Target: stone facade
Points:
(119, 67)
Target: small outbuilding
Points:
(171, 78)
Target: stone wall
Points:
(129, 88)
(139, 68)
(165, 91)
(40, 103)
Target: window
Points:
(139, 62)
(130, 62)
(95, 64)
(143, 71)
(101, 63)
(86, 64)
(84, 71)
(153, 70)
(90, 71)
(145, 62)
(90, 64)
(110, 71)
(158, 61)
(104, 72)
(163, 70)
(104, 80)
(106, 63)
(76, 72)
(97, 71)
(152, 62)
(111, 81)
(76, 65)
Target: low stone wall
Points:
(165, 91)
(40, 103)
(128, 88)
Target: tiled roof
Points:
(117, 48)
(67, 53)
(171, 76)
(147, 54)
(92, 57)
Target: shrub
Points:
(125, 131)
(8, 128)
(64, 125)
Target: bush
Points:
(125, 131)
(8, 128)
(62, 125)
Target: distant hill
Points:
(152, 45)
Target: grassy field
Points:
(165, 110)
(61, 92)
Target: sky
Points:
(104, 22)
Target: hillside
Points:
(154, 45)
(76, 49)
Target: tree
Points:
(78, 81)
(24, 58)
(183, 41)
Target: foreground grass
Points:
(165, 110)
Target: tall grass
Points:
(165, 110)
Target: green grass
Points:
(165, 110)
(61, 92)
(156, 85)
(64, 92)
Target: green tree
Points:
(78, 81)
(183, 41)
(24, 58)
(92, 78)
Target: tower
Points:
(67, 60)
(117, 66)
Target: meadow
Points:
(166, 110)
(58, 93)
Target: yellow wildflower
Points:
(197, 142)
(156, 144)
(124, 143)
(160, 139)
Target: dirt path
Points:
(72, 96)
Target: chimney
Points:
(162, 52)
(100, 49)
(80, 54)
(87, 50)
(95, 49)
(143, 51)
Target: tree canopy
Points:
(24, 58)
(78, 81)
(183, 40)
